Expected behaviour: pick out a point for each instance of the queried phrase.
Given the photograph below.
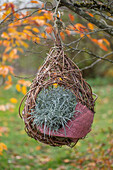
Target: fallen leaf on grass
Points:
(4, 130)
(66, 160)
(38, 148)
(62, 167)
(7, 106)
(27, 167)
(13, 100)
(2, 147)
(44, 160)
(18, 157)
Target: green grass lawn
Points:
(94, 152)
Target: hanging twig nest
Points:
(59, 108)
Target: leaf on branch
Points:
(49, 30)
(6, 43)
(100, 43)
(7, 49)
(27, 27)
(18, 87)
(24, 44)
(62, 35)
(34, 2)
(24, 83)
(8, 83)
(28, 32)
(90, 14)
(68, 32)
(36, 30)
(36, 39)
(48, 15)
(4, 70)
(71, 17)
(24, 90)
(5, 35)
(43, 35)
(90, 26)
(106, 41)
(81, 27)
(0, 42)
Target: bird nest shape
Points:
(60, 71)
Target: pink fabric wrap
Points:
(79, 127)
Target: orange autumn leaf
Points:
(90, 26)
(13, 54)
(8, 86)
(81, 35)
(90, 14)
(7, 49)
(0, 42)
(80, 27)
(36, 30)
(24, 44)
(40, 22)
(42, 5)
(8, 83)
(71, 17)
(68, 32)
(106, 41)
(4, 71)
(100, 43)
(38, 148)
(13, 100)
(28, 32)
(24, 83)
(6, 43)
(48, 15)
(5, 35)
(34, 2)
(43, 35)
(20, 49)
(62, 35)
(18, 87)
(27, 27)
(38, 18)
(9, 78)
(49, 30)
(5, 57)
(24, 90)
(2, 147)
(36, 39)
(21, 81)
(12, 30)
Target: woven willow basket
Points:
(61, 70)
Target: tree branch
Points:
(93, 5)
(101, 25)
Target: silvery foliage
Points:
(54, 108)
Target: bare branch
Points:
(94, 63)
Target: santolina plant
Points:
(54, 108)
